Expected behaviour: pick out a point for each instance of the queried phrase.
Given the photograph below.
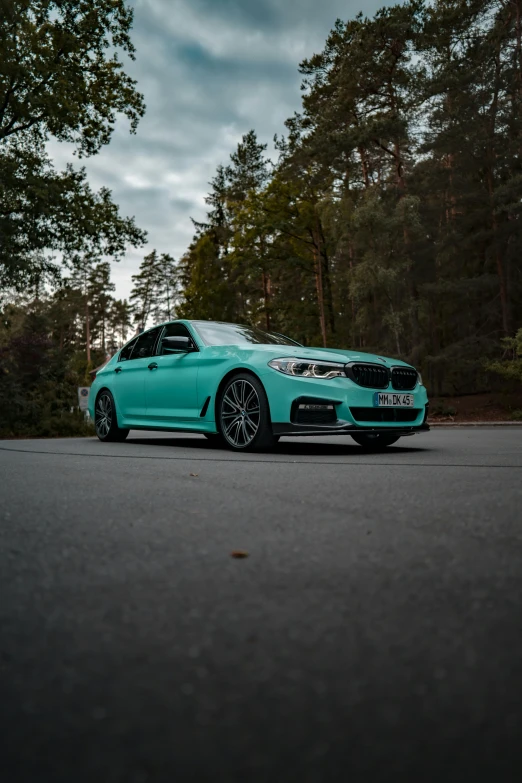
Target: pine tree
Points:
(120, 322)
(206, 294)
(155, 291)
(165, 289)
(80, 280)
(392, 220)
(100, 299)
(142, 294)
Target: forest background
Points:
(388, 221)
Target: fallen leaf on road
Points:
(194, 474)
(238, 553)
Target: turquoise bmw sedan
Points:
(243, 388)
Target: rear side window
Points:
(145, 343)
(126, 352)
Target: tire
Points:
(375, 442)
(243, 415)
(106, 420)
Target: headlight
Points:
(420, 378)
(302, 368)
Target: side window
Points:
(173, 330)
(145, 344)
(125, 353)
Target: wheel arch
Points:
(100, 391)
(226, 378)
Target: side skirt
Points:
(199, 427)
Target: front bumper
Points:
(344, 429)
(283, 391)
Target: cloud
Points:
(210, 71)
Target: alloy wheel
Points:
(240, 413)
(103, 415)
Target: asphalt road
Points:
(374, 633)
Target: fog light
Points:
(315, 407)
(312, 412)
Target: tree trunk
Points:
(499, 263)
(266, 299)
(319, 288)
(399, 169)
(87, 330)
(504, 303)
(352, 300)
(326, 283)
(504, 297)
(364, 166)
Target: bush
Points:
(38, 386)
(512, 367)
(68, 425)
(441, 409)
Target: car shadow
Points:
(287, 447)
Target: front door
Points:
(171, 385)
(130, 373)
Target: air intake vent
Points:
(315, 417)
(371, 376)
(204, 409)
(404, 378)
(385, 414)
(307, 410)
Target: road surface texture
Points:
(374, 633)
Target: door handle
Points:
(153, 366)
(118, 369)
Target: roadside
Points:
(448, 423)
(479, 409)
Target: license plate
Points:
(386, 400)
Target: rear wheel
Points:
(373, 441)
(105, 419)
(243, 415)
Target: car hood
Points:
(327, 354)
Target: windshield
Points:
(214, 333)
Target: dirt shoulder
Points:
(491, 407)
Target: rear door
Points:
(131, 370)
(171, 386)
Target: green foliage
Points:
(441, 409)
(38, 385)
(207, 294)
(510, 368)
(120, 315)
(155, 289)
(60, 76)
(60, 72)
(48, 345)
(392, 221)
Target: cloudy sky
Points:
(210, 70)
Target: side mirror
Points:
(182, 344)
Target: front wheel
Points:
(244, 416)
(375, 441)
(105, 420)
